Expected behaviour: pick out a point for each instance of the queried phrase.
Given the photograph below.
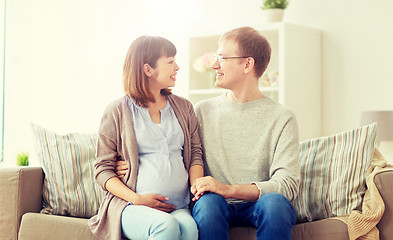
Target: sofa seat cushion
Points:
(45, 226)
(326, 229)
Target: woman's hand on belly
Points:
(154, 201)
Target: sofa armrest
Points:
(20, 192)
(384, 181)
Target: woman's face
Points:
(164, 74)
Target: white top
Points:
(161, 168)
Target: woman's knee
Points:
(168, 223)
(189, 230)
(188, 227)
(144, 222)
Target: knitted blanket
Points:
(362, 225)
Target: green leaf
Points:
(269, 4)
(22, 159)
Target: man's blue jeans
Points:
(273, 216)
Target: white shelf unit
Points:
(296, 56)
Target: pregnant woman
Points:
(156, 133)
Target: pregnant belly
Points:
(172, 184)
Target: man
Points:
(250, 147)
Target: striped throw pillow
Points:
(67, 160)
(333, 172)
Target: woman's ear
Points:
(148, 70)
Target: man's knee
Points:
(275, 206)
(208, 200)
(272, 200)
(212, 205)
(211, 213)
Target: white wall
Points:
(357, 50)
(64, 57)
(357, 56)
(357, 59)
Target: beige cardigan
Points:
(116, 135)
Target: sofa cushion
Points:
(20, 192)
(67, 161)
(333, 173)
(43, 226)
(325, 229)
(383, 181)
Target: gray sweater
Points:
(254, 142)
(116, 135)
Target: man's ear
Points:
(148, 70)
(249, 65)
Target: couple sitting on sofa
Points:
(250, 144)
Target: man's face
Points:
(229, 72)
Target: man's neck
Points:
(244, 95)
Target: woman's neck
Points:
(155, 107)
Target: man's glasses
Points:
(221, 58)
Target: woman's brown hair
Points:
(145, 49)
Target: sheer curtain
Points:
(2, 81)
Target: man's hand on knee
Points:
(210, 184)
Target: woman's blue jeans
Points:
(273, 216)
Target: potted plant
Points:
(274, 9)
(22, 159)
